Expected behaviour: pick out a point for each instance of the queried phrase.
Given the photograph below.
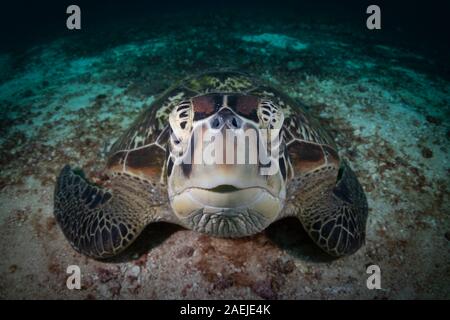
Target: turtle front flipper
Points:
(336, 219)
(98, 222)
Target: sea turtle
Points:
(149, 179)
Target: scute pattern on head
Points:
(298, 124)
(147, 128)
(220, 82)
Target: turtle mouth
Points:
(226, 200)
(224, 196)
(224, 188)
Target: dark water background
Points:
(422, 25)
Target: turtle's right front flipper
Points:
(98, 223)
(336, 218)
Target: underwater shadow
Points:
(152, 236)
(288, 234)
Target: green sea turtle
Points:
(151, 175)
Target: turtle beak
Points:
(252, 199)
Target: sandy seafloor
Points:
(66, 100)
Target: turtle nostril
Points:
(234, 122)
(227, 117)
(216, 123)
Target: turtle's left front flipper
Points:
(336, 219)
(98, 222)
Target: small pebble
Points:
(135, 271)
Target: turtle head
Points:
(226, 168)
